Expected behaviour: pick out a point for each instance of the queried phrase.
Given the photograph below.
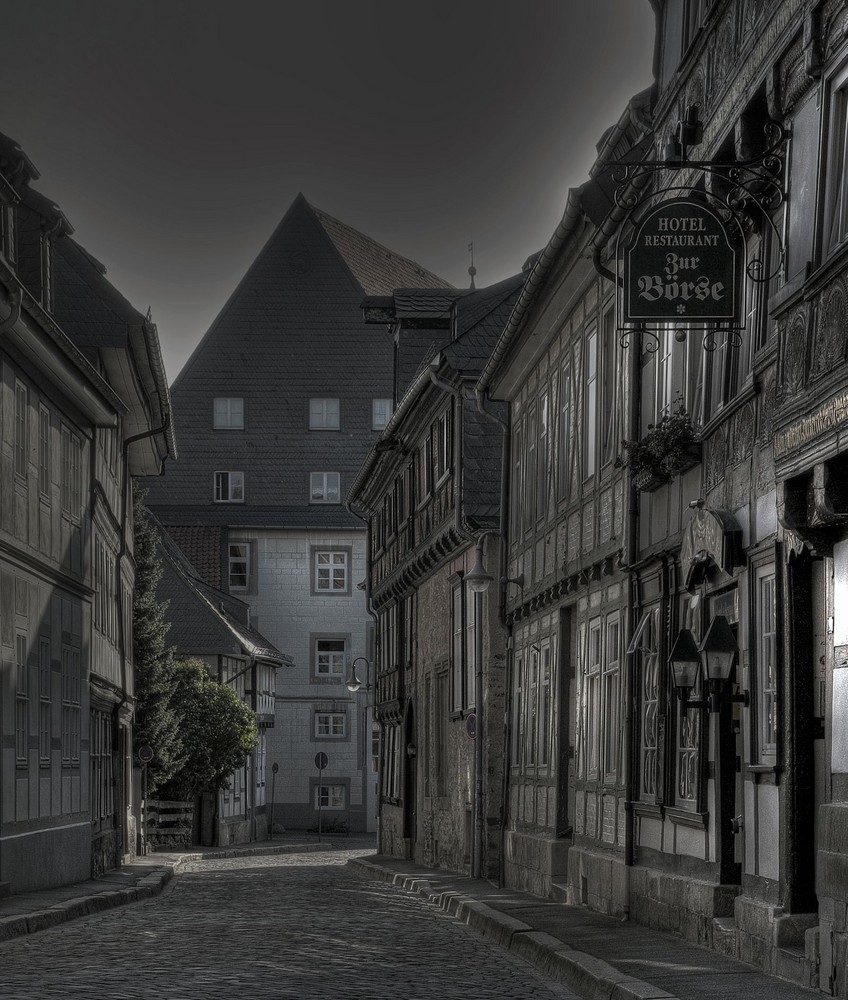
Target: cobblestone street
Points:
(300, 926)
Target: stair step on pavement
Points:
(724, 936)
(791, 963)
(559, 892)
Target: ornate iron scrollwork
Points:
(741, 192)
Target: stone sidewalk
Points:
(29, 912)
(594, 955)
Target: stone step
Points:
(559, 892)
(724, 936)
(791, 963)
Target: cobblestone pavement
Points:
(303, 926)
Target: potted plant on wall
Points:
(668, 449)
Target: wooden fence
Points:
(169, 824)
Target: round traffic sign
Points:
(321, 760)
(275, 767)
(145, 754)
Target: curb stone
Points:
(591, 977)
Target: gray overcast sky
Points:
(174, 134)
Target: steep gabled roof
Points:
(377, 269)
(292, 331)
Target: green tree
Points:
(156, 722)
(218, 731)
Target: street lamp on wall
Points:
(718, 650)
(685, 661)
(478, 579)
(715, 656)
(354, 684)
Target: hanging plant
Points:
(669, 448)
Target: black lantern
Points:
(685, 660)
(718, 650)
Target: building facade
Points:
(430, 489)
(84, 409)
(278, 406)
(214, 626)
(712, 808)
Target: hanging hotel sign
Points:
(681, 266)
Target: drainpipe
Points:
(631, 552)
(506, 459)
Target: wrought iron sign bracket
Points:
(681, 246)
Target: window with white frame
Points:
(324, 487)
(610, 407)
(45, 701)
(381, 410)
(543, 755)
(21, 429)
(330, 796)
(442, 445)
(331, 571)
(565, 431)
(649, 703)
(239, 565)
(543, 460)
(836, 183)
(71, 683)
(590, 404)
(330, 657)
(766, 664)
(229, 487)
(330, 725)
(517, 748)
(592, 681)
(71, 487)
(21, 700)
(323, 414)
(44, 452)
(228, 413)
(610, 698)
(464, 645)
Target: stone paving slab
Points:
(595, 955)
(29, 912)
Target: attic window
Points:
(323, 414)
(228, 413)
(381, 411)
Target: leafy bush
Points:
(218, 731)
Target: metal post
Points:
(479, 819)
(319, 805)
(274, 768)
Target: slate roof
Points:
(377, 269)
(291, 331)
(479, 319)
(206, 621)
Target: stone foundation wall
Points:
(598, 880)
(532, 862)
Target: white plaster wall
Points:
(287, 613)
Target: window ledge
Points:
(682, 817)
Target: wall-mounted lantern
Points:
(715, 655)
(685, 660)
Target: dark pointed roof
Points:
(377, 269)
(292, 331)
